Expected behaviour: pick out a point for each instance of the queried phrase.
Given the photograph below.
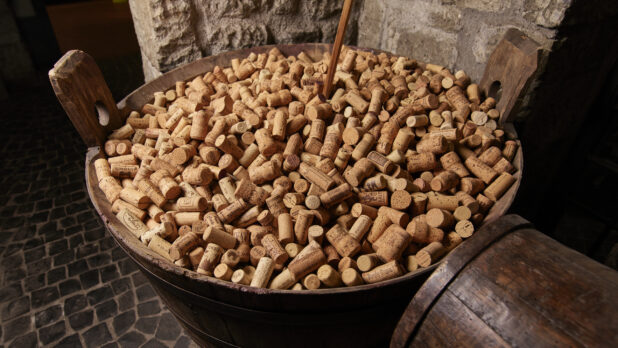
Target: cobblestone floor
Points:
(63, 281)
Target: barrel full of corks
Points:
(216, 312)
(513, 286)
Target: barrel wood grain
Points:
(513, 289)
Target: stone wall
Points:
(175, 32)
(459, 34)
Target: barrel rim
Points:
(166, 81)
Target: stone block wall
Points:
(174, 32)
(459, 34)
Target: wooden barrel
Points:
(513, 286)
(215, 312)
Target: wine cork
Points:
(344, 243)
(135, 198)
(332, 257)
(392, 243)
(301, 227)
(360, 227)
(384, 272)
(440, 201)
(187, 218)
(195, 203)
(400, 200)
(444, 181)
(373, 198)
(380, 162)
(214, 234)
(422, 233)
(472, 186)
(336, 195)
(419, 203)
(210, 259)
(293, 249)
(480, 169)
(160, 246)
(359, 209)
(439, 218)
(345, 263)
(329, 276)
(363, 147)
(263, 272)
(230, 258)
(421, 162)
(163, 230)
(416, 121)
(381, 222)
(464, 228)
(307, 261)
(283, 280)
(452, 162)
(462, 213)
(223, 142)
(200, 175)
(257, 232)
(355, 100)
(430, 254)
(219, 202)
(497, 188)
(286, 231)
(397, 217)
(484, 203)
(182, 245)
(243, 251)
(275, 205)
(468, 202)
(315, 176)
(241, 277)
(274, 249)
(223, 272)
(264, 217)
(132, 222)
(316, 233)
(433, 144)
(256, 253)
(387, 136)
(351, 277)
(102, 169)
(111, 188)
(124, 170)
(311, 282)
(233, 211)
(503, 166)
(510, 149)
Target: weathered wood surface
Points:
(511, 285)
(81, 89)
(510, 68)
(215, 310)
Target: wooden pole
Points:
(343, 22)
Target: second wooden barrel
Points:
(513, 286)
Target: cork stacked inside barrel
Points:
(248, 175)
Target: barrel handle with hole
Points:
(85, 96)
(509, 71)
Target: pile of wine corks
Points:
(248, 175)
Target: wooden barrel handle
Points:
(85, 97)
(509, 72)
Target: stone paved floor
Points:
(63, 281)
